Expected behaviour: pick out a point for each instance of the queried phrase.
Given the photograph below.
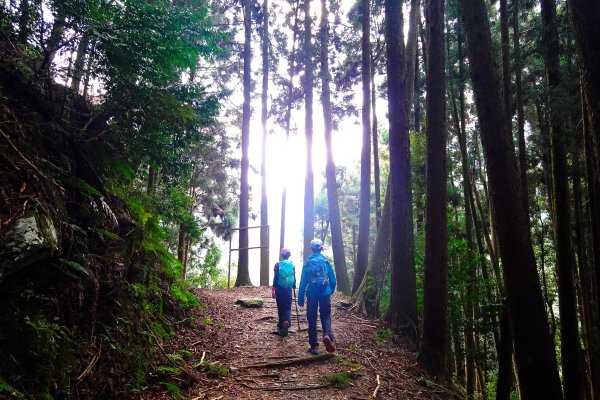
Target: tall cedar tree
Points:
(468, 304)
(585, 15)
(339, 258)
(534, 351)
(309, 195)
(403, 299)
(243, 274)
(288, 117)
(565, 262)
(367, 297)
(364, 216)
(435, 288)
(264, 209)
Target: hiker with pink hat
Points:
(283, 283)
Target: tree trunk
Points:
(536, 361)
(339, 257)
(79, 62)
(368, 295)
(309, 200)
(403, 302)
(243, 273)
(376, 170)
(432, 355)
(470, 367)
(288, 117)
(504, 39)
(152, 180)
(589, 314)
(264, 208)
(520, 107)
(588, 272)
(181, 243)
(569, 335)
(364, 215)
(585, 15)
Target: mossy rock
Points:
(250, 303)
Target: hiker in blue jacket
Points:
(318, 283)
(283, 283)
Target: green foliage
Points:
(181, 293)
(383, 335)
(168, 369)
(7, 389)
(206, 273)
(73, 269)
(82, 186)
(343, 379)
(347, 362)
(215, 370)
(173, 390)
(108, 234)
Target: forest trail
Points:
(238, 338)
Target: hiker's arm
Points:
(294, 268)
(275, 278)
(302, 289)
(332, 280)
(276, 274)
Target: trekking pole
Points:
(297, 316)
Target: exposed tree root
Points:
(290, 361)
(295, 387)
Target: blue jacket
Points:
(305, 288)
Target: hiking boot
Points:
(328, 343)
(314, 350)
(284, 328)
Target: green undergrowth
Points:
(87, 319)
(342, 379)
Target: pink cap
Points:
(285, 251)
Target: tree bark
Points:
(504, 39)
(309, 200)
(339, 257)
(432, 355)
(534, 352)
(376, 169)
(243, 273)
(264, 208)
(520, 107)
(368, 295)
(567, 304)
(364, 217)
(403, 302)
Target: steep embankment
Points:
(233, 353)
(85, 290)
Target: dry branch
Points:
(378, 380)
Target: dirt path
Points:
(237, 338)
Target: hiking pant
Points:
(324, 305)
(283, 297)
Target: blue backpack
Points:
(317, 273)
(286, 274)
